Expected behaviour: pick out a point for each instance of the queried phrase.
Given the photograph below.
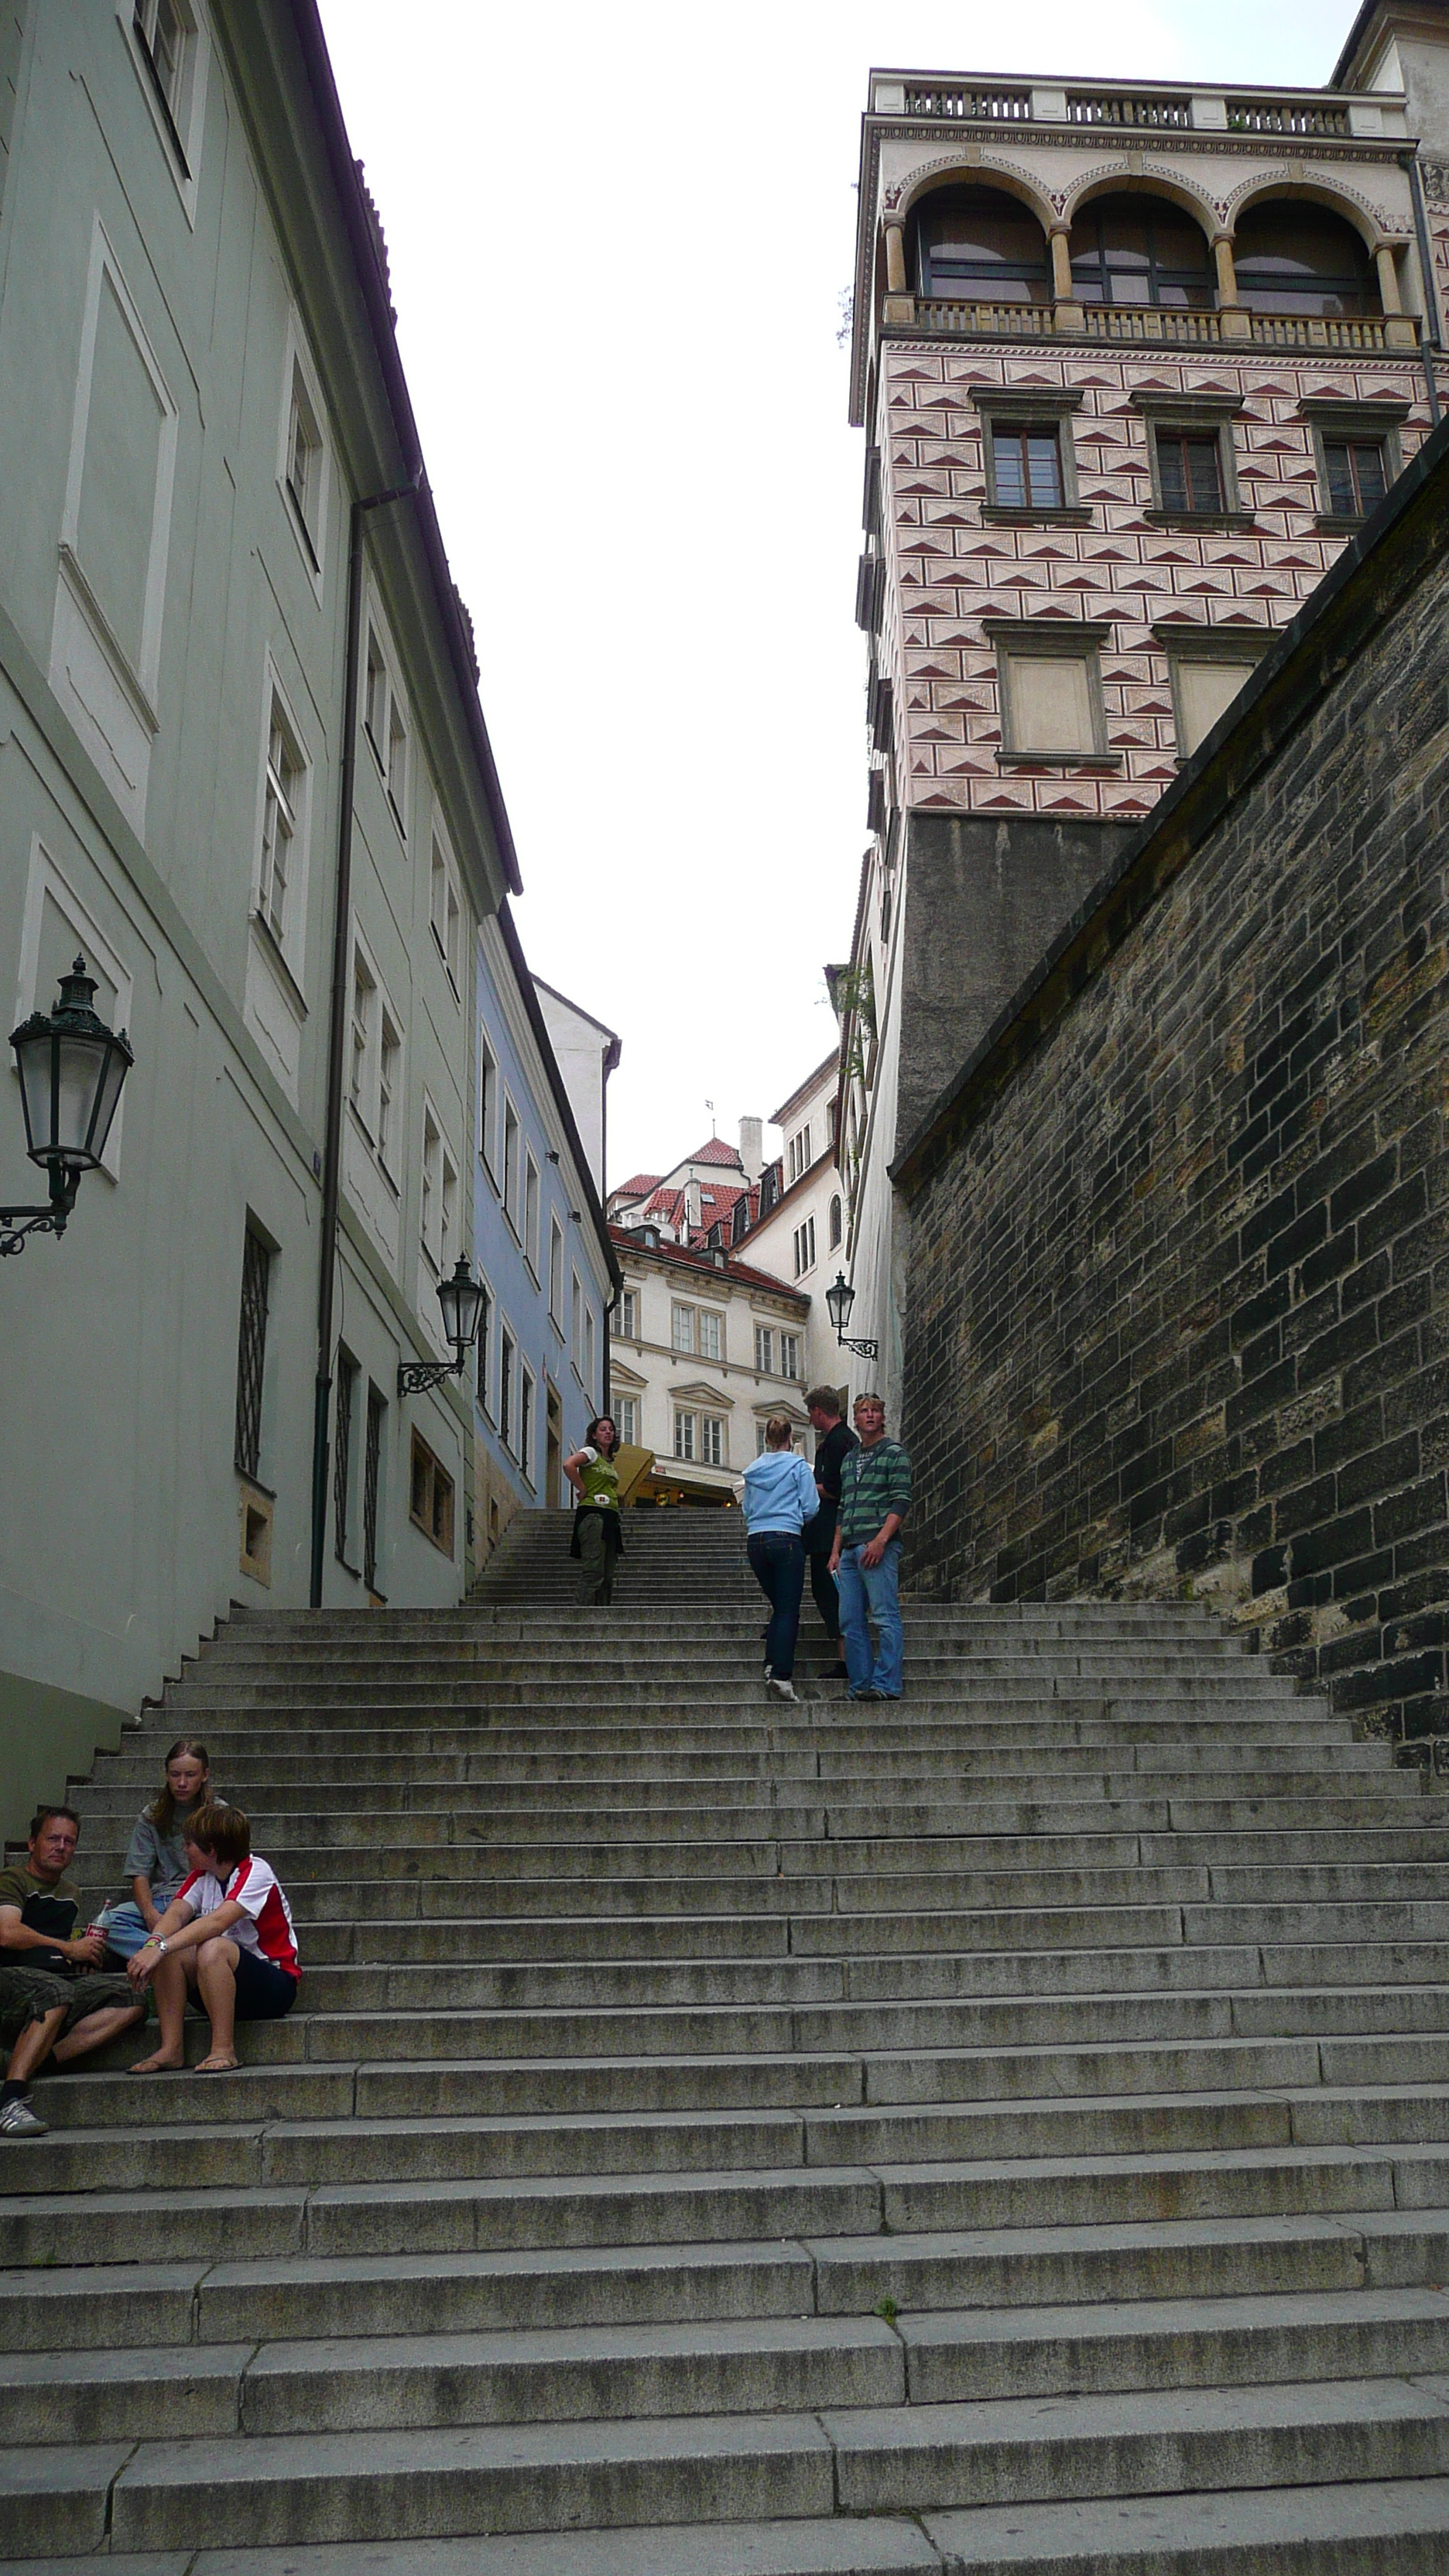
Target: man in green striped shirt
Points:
(875, 1494)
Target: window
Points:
(576, 1335)
(507, 1375)
(556, 1271)
(445, 913)
(589, 1352)
(280, 801)
(798, 1153)
(1203, 690)
(387, 726)
(1353, 472)
(526, 1400)
(1294, 257)
(389, 1079)
(487, 1101)
(764, 1349)
(982, 246)
(375, 695)
(397, 764)
(626, 1420)
(430, 1219)
(789, 1355)
(1189, 472)
(836, 1222)
(371, 1475)
(710, 1328)
(165, 30)
(712, 1441)
(512, 1145)
(303, 467)
(348, 1374)
(683, 1434)
(448, 1222)
(682, 1328)
(1136, 249)
(484, 1346)
(251, 1352)
(804, 1247)
(430, 1502)
(1051, 696)
(1026, 468)
(759, 1439)
(364, 1019)
(531, 1191)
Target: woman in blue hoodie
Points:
(780, 1497)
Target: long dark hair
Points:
(591, 1436)
(163, 1811)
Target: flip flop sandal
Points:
(218, 2066)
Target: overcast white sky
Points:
(619, 240)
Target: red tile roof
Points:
(716, 1151)
(636, 1187)
(627, 1239)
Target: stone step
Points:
(874, 2460)
(785, 1738)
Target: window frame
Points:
(1205, 416)
(1038, 639)
(527, 1452)
(1034, 411)
(505, 1420)
(1185, 640)
(181, 135)
(394, 723)
(677, 1308)
(483, 1348)
(684, 1430)
(489, 1090)
(299, 375)
(290, 942)
(625, 1409)
(718, 1425)
(555, 1271)
(1330, 422)
(440, 1493)
(765, 1342)
(510, 1179)
(790, 1343)
(532, 1209)
(258, 1257)
(443, 873)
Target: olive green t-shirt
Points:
(600, 1480)
(43, 1908)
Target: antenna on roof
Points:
(714, 1131)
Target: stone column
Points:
(900, 304)
(1400, 329)
(1067, 313)
(1233, 322)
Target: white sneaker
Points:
(783, 1690)
(17, 2120)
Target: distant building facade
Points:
(704, 1348)
(798, 1227)
(1133, 362)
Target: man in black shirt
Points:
(55, 2001)
(833, 1442)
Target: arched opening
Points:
(835, 1223)
(1138, 249)
(1292, 256)
(980, 245)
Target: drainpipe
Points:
(1433, 336)
(337, 1030)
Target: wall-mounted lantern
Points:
(71, 1069)
(839, 1300)
(461, 1299)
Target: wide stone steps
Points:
(717, 2138)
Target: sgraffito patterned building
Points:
(1133, 364)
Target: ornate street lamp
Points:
(71, 1070)
(461, 1299)
(839, 1299)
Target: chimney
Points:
(752, 1147)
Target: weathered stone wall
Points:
(1179, 1304)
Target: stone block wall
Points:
(1178, 1317)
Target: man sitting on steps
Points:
(49, 1989)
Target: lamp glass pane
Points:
(32, 1057)
(80, 1063)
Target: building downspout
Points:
(1433, 336)
(337, 1029)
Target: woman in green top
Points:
(598, 1531)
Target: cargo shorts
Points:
(28, 1994)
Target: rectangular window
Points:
(389, 1080)
(347, 1377)
(759, 1439)
(364, 1020)
(166, 33)
(372, 1466)
(512, 1142)
(1050, 703)
(712, 1441)
(397, 764)
(304, 466)
(1202, 691)
(683, 1434)
(487, 1101)
(281, 796)
(626, 1420)
(682, 1328)
(1026, 468)
(627, 1316)
(789, 1355)
(1189, 472)
(375, 696)
(555, 1271)
(711, 1333)
(251, 1353)
(484, 1347)
(1357, 482)
(507, 1373)
(448, 1223)
(576, 1336)
(764, 1349)
(525, 1421)
(445, 913)
(589, 1352)
(531, 1201)
(430, 1506)
(798, 1154)
(804, 1247)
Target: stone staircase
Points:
(1006, 2131)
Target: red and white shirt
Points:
(265, 1925)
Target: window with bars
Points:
(252, 1353)
(347, 1376)
(371, 1478)
(1355, 474)
(1190, 472)
(1026, 468)
(280, 802)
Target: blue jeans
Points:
(872, 1592)
(777, 1560)
(126, 1929)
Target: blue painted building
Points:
(540, 1245)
